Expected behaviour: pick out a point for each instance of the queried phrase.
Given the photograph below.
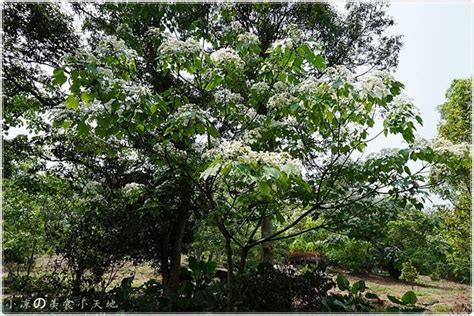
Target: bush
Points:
(283, 289)
(435, 276)
(353, 255)
(409, 272)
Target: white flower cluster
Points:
(105, 73)
(227, 57)
(420, 143)
(294, 30)
(251, 136)
(80, 55)
(283, 43)
(236, 26)
(226, 96)
(260, 88)
(124, 28)
(376, 84)
(280, 87)
(384, 152)
(400, 105)
(280, 100)
(402, 101)
(339, 72)
(308, 86)
(154, 32)
(188, 113)
(111, 44)
(91, 186)
(445, 146)
(137, 90)
(174, 47)
(236, 150)
(133, 187)
(248, 38)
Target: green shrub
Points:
(276, 289)
(409, 272)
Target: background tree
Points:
(454, 176)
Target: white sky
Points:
(437, 48)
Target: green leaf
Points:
(87, 97)
(65, 124)
(226, 169)
(141, 127)
(72, 102)
(265, 188)
(212, 169)
(409, 298)
(153, 107)
(358, 286)
(212, 131)
(319, 62)
(200, 128)
(395, 300)
(83, 128)
(419, 119)
(371, 295)
(59, 78)
(271, 172)
(210, 267)
(193, 263)
(342, 282)
(340, 304)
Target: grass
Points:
(437, 296)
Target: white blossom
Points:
(384, 152)
(445, 146)
(400, 105)
(260, 88)
(237, 151)
(105, 72)
(339, 72)
(251, 136)
(248, 38)
(111, 44)
(308, 86)
(226, 96)
(280, 87)
(170, 150)
(280, 100)
(188, 113)
(175, 47)
(132, 187)
(236, 26)
(90, 186)
(283, 43)
(375, 85)
(227, 57)
(420, 143)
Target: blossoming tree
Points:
(249, 131)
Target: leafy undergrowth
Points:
(436, 296)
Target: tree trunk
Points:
(177, 236)
(235, 289)
(30, 261)
(230, 268)
(267, 247)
